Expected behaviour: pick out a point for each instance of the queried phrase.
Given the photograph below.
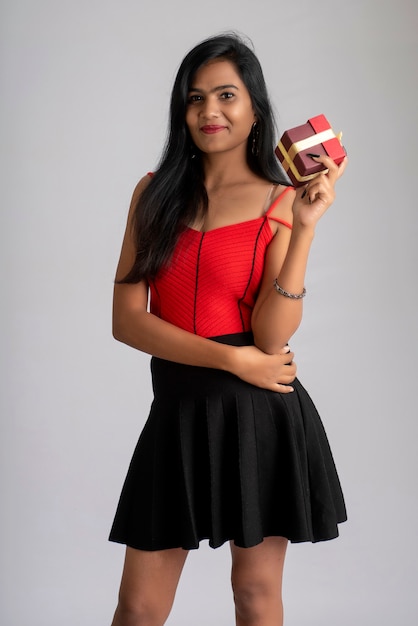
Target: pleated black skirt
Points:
(221, 459)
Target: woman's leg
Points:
(257, 582)
(148, 587)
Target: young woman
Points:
(233, 449)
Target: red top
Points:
(213, 279)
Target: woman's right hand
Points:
(275, 372)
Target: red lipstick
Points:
(211, 129)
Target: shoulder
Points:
(137, 192)
(280, 209)
(141, 185)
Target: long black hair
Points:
(176, 192)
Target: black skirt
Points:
(221, 459)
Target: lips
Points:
(211, 129)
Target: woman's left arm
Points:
(276, 317)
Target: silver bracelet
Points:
(294, 296)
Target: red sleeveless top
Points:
(212, 282)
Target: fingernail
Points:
(313, 156)
(304, 193)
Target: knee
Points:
(139, 612)
(254, 599)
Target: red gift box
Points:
(317, 137)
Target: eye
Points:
(195, 97)
(226, 95)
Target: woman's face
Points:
(219, 112)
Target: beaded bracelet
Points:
(294, 296)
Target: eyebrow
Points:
(219, 88)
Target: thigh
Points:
(151, 577)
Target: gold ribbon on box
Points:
(304, 144)
(287, 165)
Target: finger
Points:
(322, 190)
(329, 164)
(283, 357)
(291, 372)
(302, 191)
(286, 380)
(287, 358)
(320, 194)
(283, 388)
(342, 166)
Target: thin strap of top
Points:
(273, 206)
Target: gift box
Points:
(314, 137)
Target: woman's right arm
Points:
(135, 326)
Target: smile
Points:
(212, 129)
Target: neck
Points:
(224, 168)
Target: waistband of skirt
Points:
(171, 379)
(235, 339)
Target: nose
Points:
(210, 107)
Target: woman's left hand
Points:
(312, 201)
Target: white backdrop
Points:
(84, 99)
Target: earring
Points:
(255, 131)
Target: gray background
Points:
(84, 98)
